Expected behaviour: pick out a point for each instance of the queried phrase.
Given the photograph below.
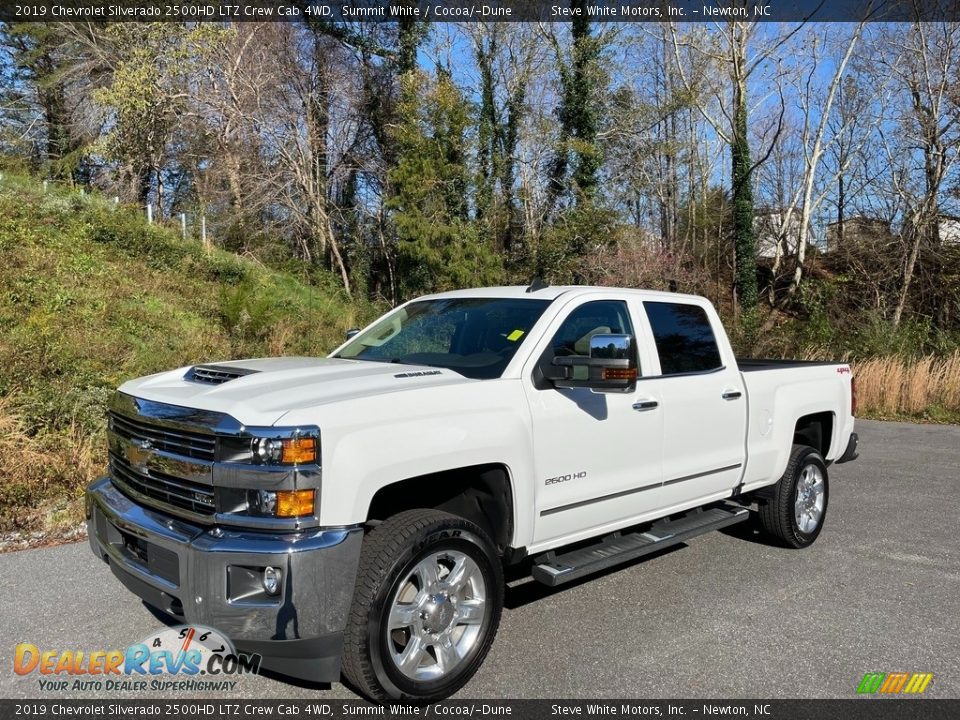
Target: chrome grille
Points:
(187, 443)
(168, 489)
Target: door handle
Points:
(644, 405)
(731, 395)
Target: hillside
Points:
(91, 295)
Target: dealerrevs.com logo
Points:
(182, 658)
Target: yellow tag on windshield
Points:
(515, 335)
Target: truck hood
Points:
(260, 392)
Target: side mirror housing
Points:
(352, 332)
(611, 366)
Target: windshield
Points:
(476, 337)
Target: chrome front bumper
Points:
(207, 575)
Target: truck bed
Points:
(782, 392)
(757, 364)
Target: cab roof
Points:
(552, 292)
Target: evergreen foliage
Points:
(439, 247)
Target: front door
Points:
(596, 456)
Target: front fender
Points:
(370, 443)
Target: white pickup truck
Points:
(354, 514)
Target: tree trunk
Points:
(144, 181)
(486, 128)
(908, 269)
(234, 179)
(581, 108)
(670, 141)
(318, 125)
(841, 210)
(58, 132)
(743, 238)
(511, 136)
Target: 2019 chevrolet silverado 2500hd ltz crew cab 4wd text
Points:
(355, 513)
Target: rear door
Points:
(702, 401)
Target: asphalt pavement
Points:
(724, 616)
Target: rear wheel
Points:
(794, 511)
(426, 608)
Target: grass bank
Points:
(90, 295)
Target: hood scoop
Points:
(216, 374)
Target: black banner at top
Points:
(614, 11)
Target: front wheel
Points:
(794, 511)
(426, 608)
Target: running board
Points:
(553, 569)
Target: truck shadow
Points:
(530, 591)
(161, 616)
(290, 680)
(748, 530)
(173, 620)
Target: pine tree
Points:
(439, 246)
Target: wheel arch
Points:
(815, 430)
(482, 494)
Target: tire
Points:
(793, 521)
(395, 581)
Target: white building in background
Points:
(863, 230)
(773, 231)
(949, 229)
(857, 230)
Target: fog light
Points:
(271, 580)
(262, 502)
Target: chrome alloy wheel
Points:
(808, 506)
(436, 615)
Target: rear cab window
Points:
(684, 338)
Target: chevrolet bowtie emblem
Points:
(138, 454)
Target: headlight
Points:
(267, 450)
(288, 451)
(255, 462)
(271, 446)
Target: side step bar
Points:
(553, 569)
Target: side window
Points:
(592, 318)
(684, 338)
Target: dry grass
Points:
(42, 477)
(922, 387)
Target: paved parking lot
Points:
(724, 616)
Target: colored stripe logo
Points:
(894, 683)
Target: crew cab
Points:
(354, 514)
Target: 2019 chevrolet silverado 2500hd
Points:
(354, 513)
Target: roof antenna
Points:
(538, 283)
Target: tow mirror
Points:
(611, 366)
(352, 332)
